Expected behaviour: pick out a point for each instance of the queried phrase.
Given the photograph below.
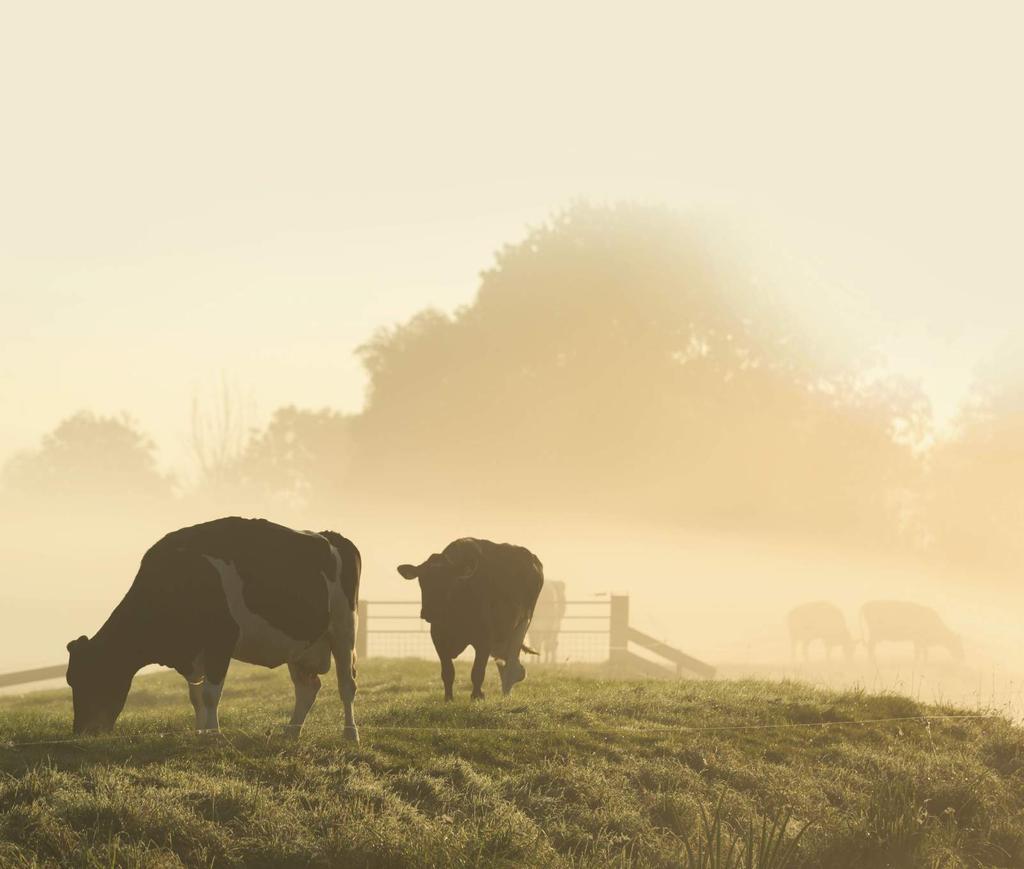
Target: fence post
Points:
(361, 631)
(618, 628)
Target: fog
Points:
(719, 317)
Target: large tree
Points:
(610, 362)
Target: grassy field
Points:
(575, 769)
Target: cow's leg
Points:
(479, 671)
(514, 671)
(194, 678)
(307, 686)
(448, 677)
(216, 658)
(211, 692)
(343, 642)
(195, 694)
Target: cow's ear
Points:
(409, 571)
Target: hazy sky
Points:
(246, 190)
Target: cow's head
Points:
(440, 574)
(99, 687)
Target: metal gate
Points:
(394, 629)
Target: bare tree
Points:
(220, 433)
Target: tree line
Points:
(610, 364)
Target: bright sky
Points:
(195, 191)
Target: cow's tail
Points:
(528, 650)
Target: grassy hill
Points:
(574, 769)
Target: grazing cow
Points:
(902, 622)
(818, 621)
(480, 594)
(232, 588)
(547, 620)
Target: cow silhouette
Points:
(547, 620)
(895, 621)
(819, 620)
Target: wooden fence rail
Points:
(39, 674)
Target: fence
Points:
(394, 629)
(598, 632)
(39, 674)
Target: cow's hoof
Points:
(479, 695)
(292, 731)
(351, 733)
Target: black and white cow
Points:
(231, 588)
(480, 594)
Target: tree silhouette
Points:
(299, 460)
(973, 505)
(609, 362)
(89, 457)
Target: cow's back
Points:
(512, 574)
(281, 571)
(817, 620)
(901, 620)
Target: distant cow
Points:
(903, 622)
(480, 594)
(232, 588)
(819, 621)
(547, 620)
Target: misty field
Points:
(575, 769)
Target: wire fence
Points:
(582, 634)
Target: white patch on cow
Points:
(211, 698)
(259, 642)
(195, 695)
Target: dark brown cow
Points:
(480, 594)
(232, 588)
